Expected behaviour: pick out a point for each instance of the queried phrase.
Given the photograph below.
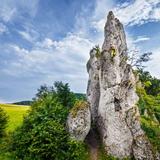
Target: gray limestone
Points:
(79, 124)
(112, 96)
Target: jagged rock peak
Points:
(114, 34)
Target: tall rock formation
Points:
(112, 96)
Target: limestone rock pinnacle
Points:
(112, 96)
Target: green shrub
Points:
(64, 95)
(97, 50)
(59, 90)
(3, 121)
(5, 153)
(152, 131)
(77, 150)
(43, 134)
(48, 142)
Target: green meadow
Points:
(15, 118)
(15, 115)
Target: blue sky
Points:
(46, 41)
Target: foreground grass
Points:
(15, 114)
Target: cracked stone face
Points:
(112, 96)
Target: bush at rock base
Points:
(43, 134)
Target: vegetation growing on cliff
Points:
(149, 106)
(97, 51)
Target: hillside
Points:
(27, 103)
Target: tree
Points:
(59, 90)
(137, 60)
(64, 95)
(3, 121)
(151, 84)
(43, 91)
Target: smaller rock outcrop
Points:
(79, 121)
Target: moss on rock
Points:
(79, 105)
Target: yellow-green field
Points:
(15, 114)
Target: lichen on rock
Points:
(79, 121)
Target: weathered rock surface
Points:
(93, 90)
(112, 96)
(79, 123)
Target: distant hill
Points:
(26, 103)
(80, 96)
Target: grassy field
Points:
(15, 113)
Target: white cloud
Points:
(130, 42)
(153, 65)
(62, 60)
(99, 17)
(102, 8)
(46, 43)
(26, 36)
(7, 13)
(70, 51)
(3, 28)
(138, 12)
(156, 13)
(29, 34)
(11, 9)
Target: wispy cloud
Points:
(29, 34)
(12, 9)
(141, 39)
(100, 14)
(26, 36)
(7, 13)
(3, 28)
(138, 12)
(65, 58)
(131, 13)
